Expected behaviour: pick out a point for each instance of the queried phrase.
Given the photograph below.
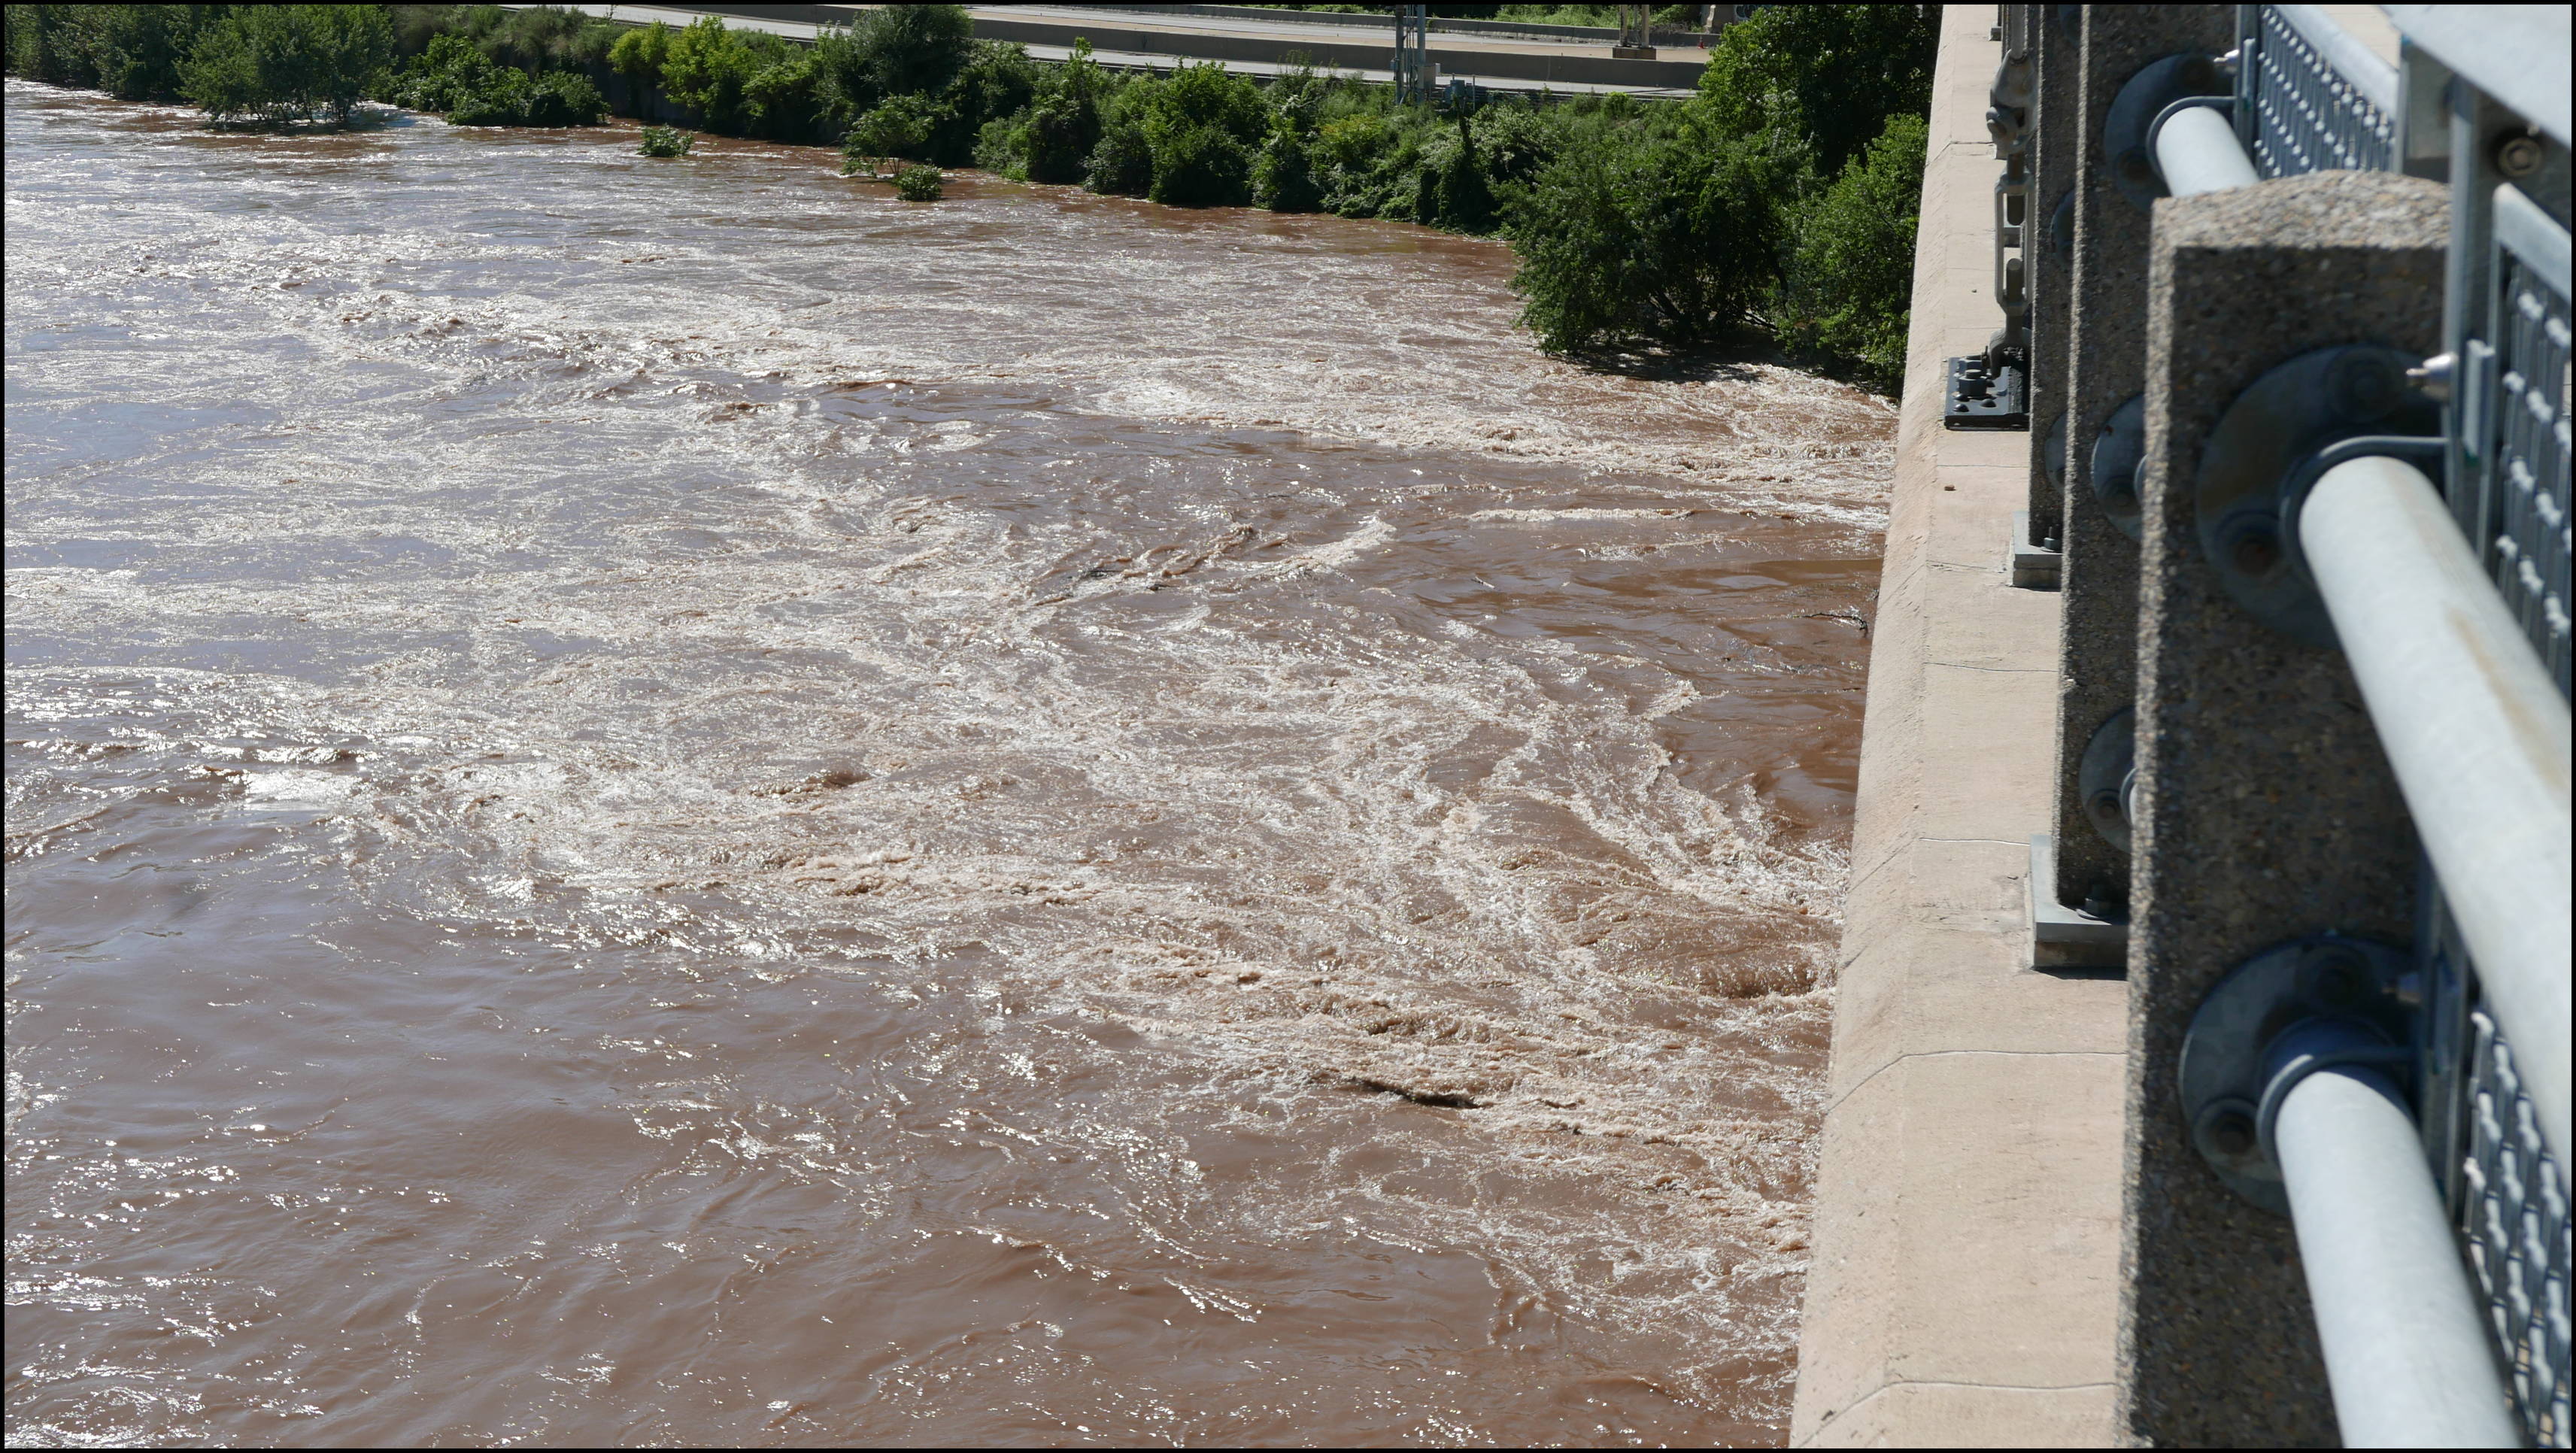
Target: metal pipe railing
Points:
(2196, 151)
(2477, 736)
(2407, 1353)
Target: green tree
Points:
(638, 56)
(1194, 133)
(1644, 238)
(705, 68)
(901, 126)
(1055, 134)
(1850, 281)
(132, 52)
(894, 50)
(1462, 198)
(279, 64)
(1831, 74)
(139, 48)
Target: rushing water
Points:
(677, 802)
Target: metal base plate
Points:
(1982, 400)
(2223, 1071)
(2033, 566)
(2063, 938)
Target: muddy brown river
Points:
(676, 802)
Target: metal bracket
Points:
(2106, 778)
(2119, 451)
(2279, 435)
(1983, 399)
(2128, 130)
(2283, 1014)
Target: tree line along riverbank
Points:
(1779, 200)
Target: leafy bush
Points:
(901, 126)
(443, 76)
(737, 82)
(638, 56)
(278, 64)
(705, 67)
(455, 76)
(557, 98)
(1850, 282)
(132, 52)
(896, 50)
(1644, 238)
(997, 82)
(918, 183)
(1200, 166)
(1283, 178)
(1187, 139)
(668, 141)
(1830, 74)
(1463, 198)
(1056, 135)
(1122, 163)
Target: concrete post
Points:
(2107, 354)
(2048, 263)
(2267, 810)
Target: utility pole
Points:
(1413, 78)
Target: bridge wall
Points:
(1963, 1288)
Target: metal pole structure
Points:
(2196, 151)
(1412, 54)
(2407, 1352)
(2476, 733)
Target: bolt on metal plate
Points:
(2225, 1067)
(2257, 461)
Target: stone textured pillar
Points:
(2048, 247)
(2268, 809)
(2106, 364)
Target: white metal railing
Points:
(2452, 601)
(2475, 731)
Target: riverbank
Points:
(1778, 195)
(1967, 1213)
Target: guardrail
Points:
(2317, 644)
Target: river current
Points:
(676, 802)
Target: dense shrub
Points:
(513, 98)
(638, 56)
(996, 83)
(132, 52)
(534, 39)
(668, 141)
(917, 183)
(1630, 238)
(1054, 137)
(897, 50)
(455, 76)
(278, 64)
(1121, 164)
(1831, 74)
(1850, 281)
(1283, 178)
(898, 127)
